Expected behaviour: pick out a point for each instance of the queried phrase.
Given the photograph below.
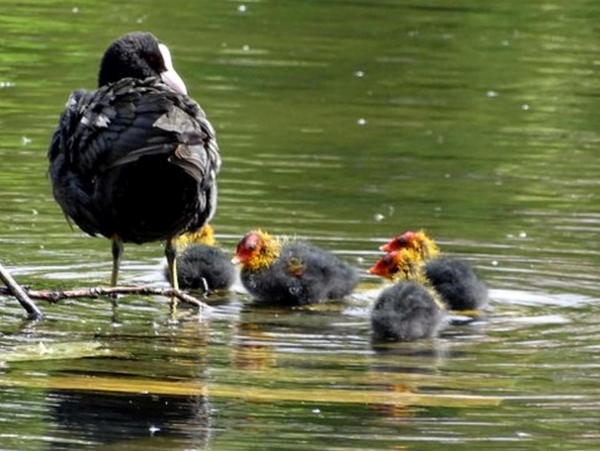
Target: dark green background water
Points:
(345, 122)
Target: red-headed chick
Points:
(452, 278)
(202, 265)
(291, 273)
(419, 242)
(408, 310)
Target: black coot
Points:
(456, 282)
(291, 273)
(202, 264)
(406, 311)
(136, 160)
(454, 279)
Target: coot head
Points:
(257, 249)
(416, 241)
(248, 248)
(398, 265)
(206, 236)
(139, 55)
(403, 241)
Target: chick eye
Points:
(387, 261)
(251, 246)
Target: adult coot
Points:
(291, 273)
(135, 160)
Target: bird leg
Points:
(117, 252)
(205, 285)
(171, 254)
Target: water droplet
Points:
(523, 235)
(242, 8)
(153, 430)
(525, 107)
(245, 48)
(75, 10)
(25, 140)
(359, 74)
(492, 94)
(34, 211)
(494, 262)
(316, 411)
(378, 217)
(361, 121)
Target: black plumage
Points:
(322, 276)
(204, 267)
(123, 163)
(293, 273)
(456, 283)
(406, 311)
(136, 160)
(454, 279)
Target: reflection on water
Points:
(345, 123)
(83, 419)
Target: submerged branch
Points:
(95, 292)
(12, 287)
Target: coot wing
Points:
(117, 125)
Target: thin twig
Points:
(33, 312)
(95, 292)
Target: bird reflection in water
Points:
(119, 419)
(403, 368)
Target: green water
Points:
(345, 122)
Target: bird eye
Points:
(152, 60)
(251, 246)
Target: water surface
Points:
(345, 123)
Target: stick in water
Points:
(33, 312)
(55, 296)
